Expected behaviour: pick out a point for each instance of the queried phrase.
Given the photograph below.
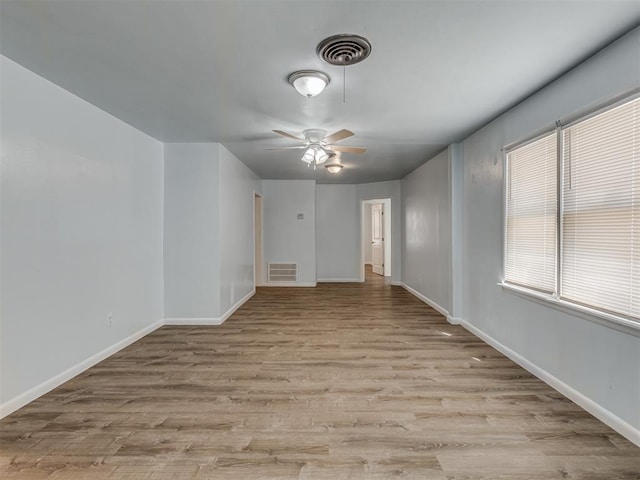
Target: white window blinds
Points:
(601, 211)
(531, 223)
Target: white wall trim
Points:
(619, 425)
(237, 305)
(210, 320)
(339, 280)
(425, 299)
(29, 396)
(175, 321)
(288, 284)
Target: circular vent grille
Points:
(344, 49)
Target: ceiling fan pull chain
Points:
(344, 84)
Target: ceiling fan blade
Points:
(339, 135)
(288, 135)
(344, 148)
(287, 148)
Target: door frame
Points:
(388, 266)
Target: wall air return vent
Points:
(282, 272)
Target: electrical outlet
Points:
(109, 319)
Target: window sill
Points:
(601, 318)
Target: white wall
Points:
(81, 233)
(456, 177)
(337, 227)
(287, 239)
(391, 190)
(191, 234)
(209, 237)
(237, 185)
(600, 364)
(426, 254)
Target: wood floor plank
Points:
(342, 381)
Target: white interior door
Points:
(377, 238)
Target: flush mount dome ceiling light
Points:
(334, 167)
(309, 83)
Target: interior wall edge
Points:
(425, 299)
(29, 396)
(194, 321)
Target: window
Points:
(596, 261)
(531, 214)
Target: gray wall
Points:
(81, 236)
(191, 232)
(600, 364)
(338, 254)
(237, 185)
(426, 240)
(208, 234)
(285, 238)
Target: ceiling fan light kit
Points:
(319, 146)
(334, 167)
(309, 83)
(315, 155)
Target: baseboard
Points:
(605, 416)
(193, 321)
(397, 284)
(454, 320)
(236, 306)
(426, 300)
(339, 280)
(30, 395)
(177, 321)
(291, 284)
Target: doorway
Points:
(376, 236)
(258, 263)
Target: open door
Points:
(377, 238)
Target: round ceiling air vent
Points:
(344, 49)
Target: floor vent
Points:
(283, 272)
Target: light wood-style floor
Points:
(344, 381)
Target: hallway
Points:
(342, 381)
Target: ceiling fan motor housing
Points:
(314, 135)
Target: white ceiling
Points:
(215, 71)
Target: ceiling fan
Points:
(319, 146)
